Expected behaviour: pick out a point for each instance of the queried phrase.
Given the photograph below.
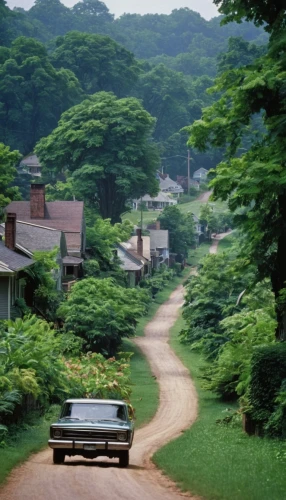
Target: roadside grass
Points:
(135, 216)
(226, 243)
(216, 461)
(145, 390)
(195, 206)
(192, 206)
(26, 440)
(196, 255)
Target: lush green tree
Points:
(54, 15)
(104, 143)
(98, 62)
(180, 227)
(8, 162)
(254, 183)
(32, 93)
(164, 94)
(91, 15)
(101, 239)
(102, 312)
(261, 12)
(240, 53)
(211, 296)
(42, 281)
(254, 325)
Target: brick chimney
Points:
(10, 231)
(37, 201)
(139, 242)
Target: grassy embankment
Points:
(193, 206)
(221, 462)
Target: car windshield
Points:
(94, 411)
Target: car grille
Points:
(90, 435)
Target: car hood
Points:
(92, 424)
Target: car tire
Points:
(58, 456)
(124, 459)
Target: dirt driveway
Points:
(80, 479)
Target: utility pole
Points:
(189, 161)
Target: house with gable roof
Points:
(12, 271)
(41, 224)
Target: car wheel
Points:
(58, 456)
(124, 459)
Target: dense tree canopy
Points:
(180, 227)
(32, 93)
(8, 163)
(98, 62)
(104, 143)
(254, 183)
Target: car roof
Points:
(97, 401)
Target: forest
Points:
(167, 62)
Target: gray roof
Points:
(13, 260)
(159, 238)
(164, 197)
(168, 184)
(66, 216)
(201, 171)
(128, 261)
(31, 161)
(34, 237)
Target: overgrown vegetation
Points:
(216, 460)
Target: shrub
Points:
(102, 312)
(267, 388)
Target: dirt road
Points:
(80, 479)
(205, 196)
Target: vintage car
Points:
(92, 428)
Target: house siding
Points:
(4, 297)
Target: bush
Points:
(267, 389)
(102, 312)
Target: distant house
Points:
(65, 216)
(31, 238)
(200, 175)
(12, 272)
(159, 202)
(31, 165)
(167, 185)
(131, 264)
(199, 230)
(159, 247)
(135, 256)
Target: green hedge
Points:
(267, 389)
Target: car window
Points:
(94, 411)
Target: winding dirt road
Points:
(80, 479)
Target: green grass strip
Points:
(220, 462)
(145, 391)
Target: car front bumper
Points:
(82, 445)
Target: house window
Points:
(69, 270)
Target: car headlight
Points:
(57, 434)
(122, 436)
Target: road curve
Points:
(80, 479)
